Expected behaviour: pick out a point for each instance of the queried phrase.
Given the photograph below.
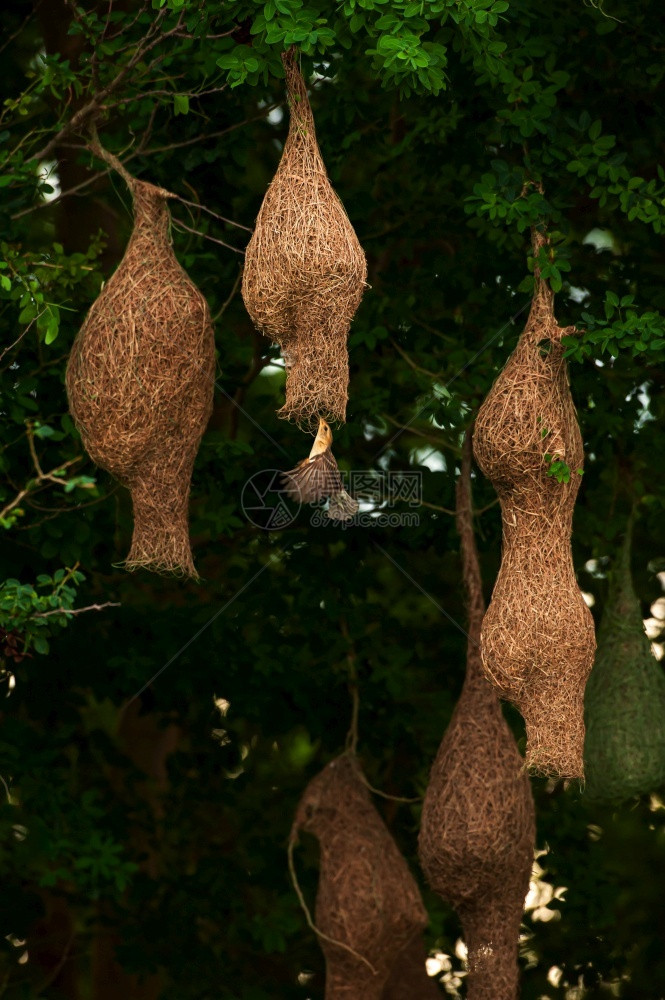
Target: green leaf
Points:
(180, 104)
(40, 644)
(43, 431)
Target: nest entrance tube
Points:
(625, 699)
(305, 270)
(537, 636)
(478, 824)
(368, 907)
(140, 381)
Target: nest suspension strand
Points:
(478, 824)
(538, 635)
(140, 381)
(305, 271)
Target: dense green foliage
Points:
(144, 820)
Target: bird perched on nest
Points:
(317, 477)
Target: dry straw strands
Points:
(140, 381)
(625, 699)
(409, 979)
(478, 825)
(368, 908)
(537, 636)
(304, 270)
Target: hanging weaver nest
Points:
(409, 979)
(305, 271)
(537, 636)
(625, 699)
(140, 381)
(478, 825)
(368, 908)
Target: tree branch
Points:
(141, 151)
(41, 477)
(215, 215)
(197, 232)
(92, 108)
(76, 611)
(412, 364)
(230, 298)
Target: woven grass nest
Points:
(305, 270)
(537, 636)
(140, 381)
(367, 898)
(409, 979)
(625, 699)
(478, 823)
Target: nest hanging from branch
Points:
(368, 907)
(305, 271)
(478, 824)
(625, 699)
(537, 636)
(140, 381)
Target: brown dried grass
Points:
(140, 382)
(537, 636)
(478, 823)
(305, 270)
(368, 907)
(409, 979)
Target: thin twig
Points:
(435, 506)
(441, 442)
(159, 93)
(18, 31)
(51, 476)
(76, 611)
(89, 110)
(7, 792)
(57, 968)
(210, 38)
(377, 791)
(18, 340)
(308, 915)
(147, 132)
(432, 329)
(141, 151)
(212, 135)
(215, 215)
(213, 239)
(229, 300)
(412, 364)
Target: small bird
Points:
(318, 476)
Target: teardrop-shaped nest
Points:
(305, 270)
(537, 637)
(140, 382)
(625, 699)
(367, 898)
(478, 822)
